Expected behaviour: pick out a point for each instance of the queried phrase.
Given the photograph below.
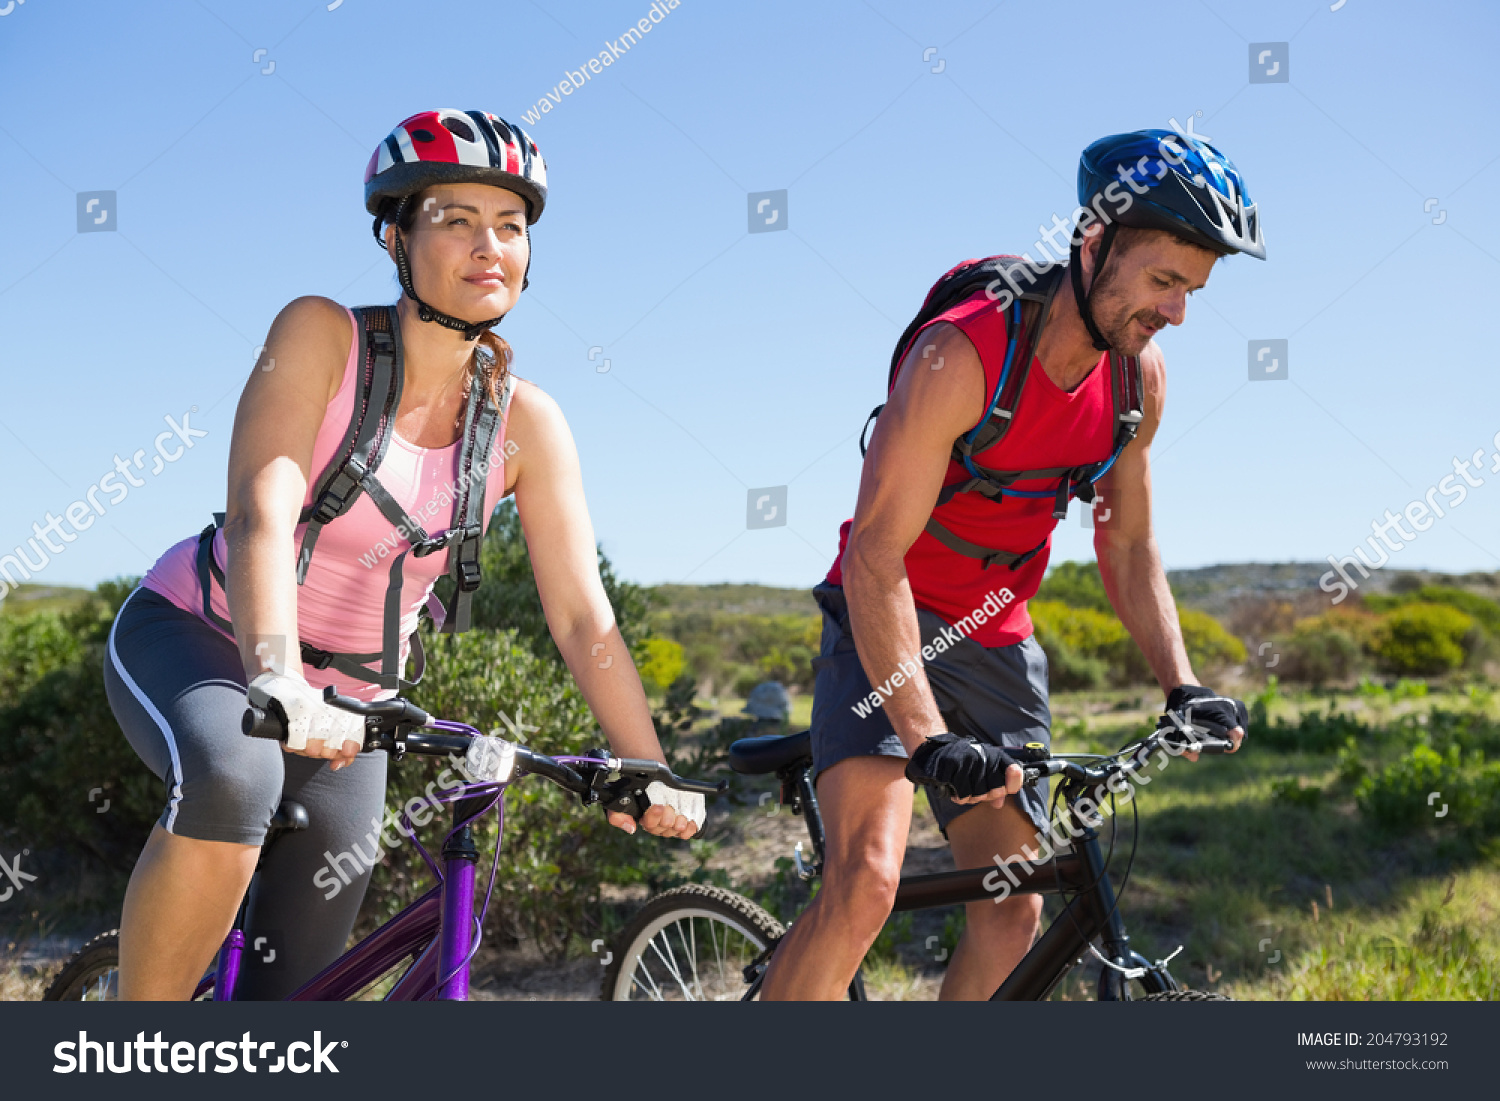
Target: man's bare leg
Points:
(866, 804)
(996, 935)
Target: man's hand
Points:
(1204, 711)
(967, 770)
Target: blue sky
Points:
(740, 361)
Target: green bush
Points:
(1076, 584)
(1483, 610)
(740, 650)
(555, 855)
(1422, 639)
(1400, 797)
(660, 662)
(1319, 650)
(508, 598)
(63, 754)
(1312, 732)
(1209, 646)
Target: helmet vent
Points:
(459, 128)
(423, 135)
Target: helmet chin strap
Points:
(470, 330)
(1076, 267)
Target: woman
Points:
(354, 435)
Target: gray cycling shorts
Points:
(177, 688)
(997, 694)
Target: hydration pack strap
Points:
(482, 420)
(208, 568)
(380, 351)
(986, 555)
(351, 665)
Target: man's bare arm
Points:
(903, 472)
(1125, 543)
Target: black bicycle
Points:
(703, 943)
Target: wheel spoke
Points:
(641, 969)
(672, 962)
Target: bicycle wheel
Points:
(1185, 996)
(91, 974)
(689, 944)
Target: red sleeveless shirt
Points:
(1051, 428)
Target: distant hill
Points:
(1212, 588)
(737, 599)
(1209, 588)
(35, 598)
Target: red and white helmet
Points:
(449, 146)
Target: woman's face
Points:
(468, 249)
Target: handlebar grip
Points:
(1208, 743)
(1197, 742)
(259, 723)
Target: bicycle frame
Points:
(1091, 913)
(438, 929)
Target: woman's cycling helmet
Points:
(1190, 189)
(448, 146)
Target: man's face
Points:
(1144, 288)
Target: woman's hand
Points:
(672, 813)
(314, 729)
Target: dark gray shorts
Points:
(996, 694)
(177, 688)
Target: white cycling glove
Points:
(689, 804)
(308, 718)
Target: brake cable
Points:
(1127, 972)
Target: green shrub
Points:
(1422, 639)
(1485, 611)
(1400, 798)
(1209, 646)
(555, 855)
(1087, 645)
(742, 649)
(1319, 650)
(660, 662)
(508, 598)
(1294, 792)
(1076, 584)
(1312, 731)
(63, 754)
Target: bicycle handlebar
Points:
(1178, 739)
(399, 727)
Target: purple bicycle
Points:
(437, 936)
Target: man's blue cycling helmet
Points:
(1182, 184)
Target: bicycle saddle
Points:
(289, 816)
(772, 753)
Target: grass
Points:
(1259, 864)
(1238, 863)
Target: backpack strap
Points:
(1024, 327)
(986, 555)
(482, 421)
(380, 349)
(365, 445)
(208, 571)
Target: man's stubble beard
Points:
(1112, 314)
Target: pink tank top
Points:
(340, 607)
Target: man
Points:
(928, 667)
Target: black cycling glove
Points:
(1205, 711)
(961, 766)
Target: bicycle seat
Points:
(289, 816)
(772, 753)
